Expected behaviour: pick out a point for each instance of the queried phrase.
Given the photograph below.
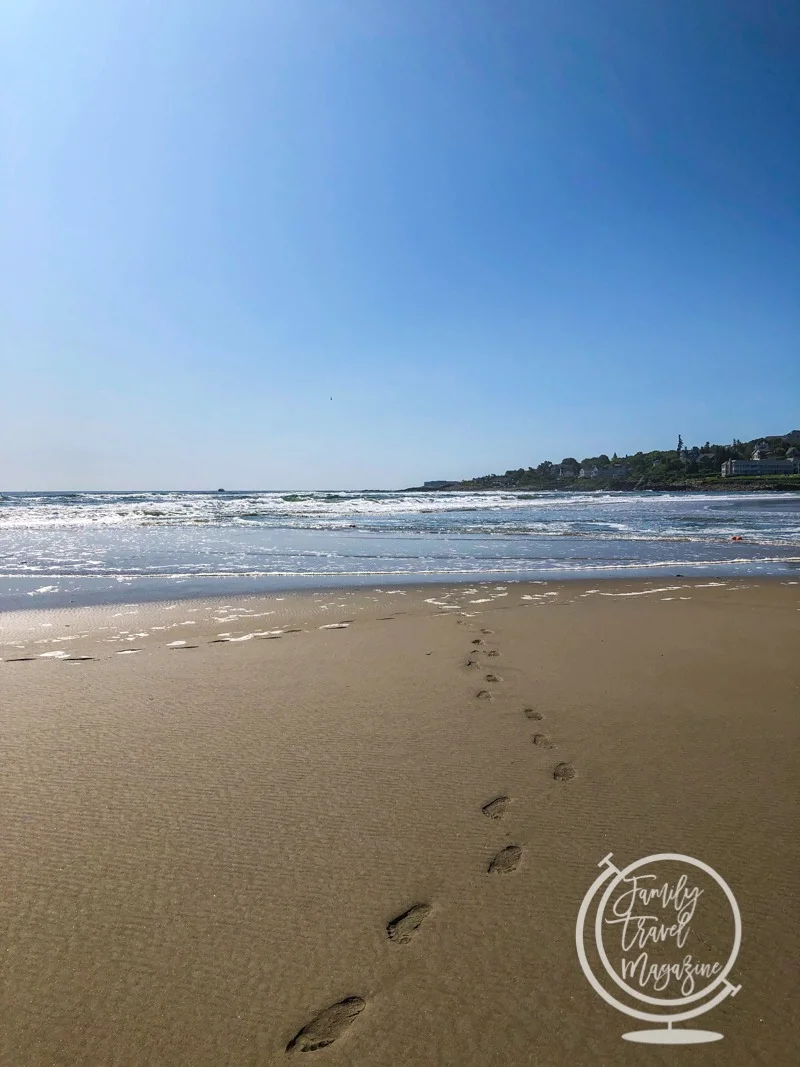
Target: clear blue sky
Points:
(492, 232)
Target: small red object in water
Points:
(736, 537)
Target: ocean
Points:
(58, 549)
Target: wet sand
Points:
(356, 827)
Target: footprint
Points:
(492, 652)
(484, 694)
(477, 641)
(405, 926)
(506, 860)
(78, 659)
(493, 678)
(564, 772)
(329, 1025)
(543, 741)
(530, 713)
(487, 631)
(21, 659)
(182, 648)
(496, 808)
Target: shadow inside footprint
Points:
(484, 694)
(506, 861)
(496, 808)
(542, 740)
(329, 1025)
(405, 926)
(564, 772)
(530, 713)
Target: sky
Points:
(361, 243)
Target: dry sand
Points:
(208, 844)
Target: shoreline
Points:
(158, 590)
(31, 629)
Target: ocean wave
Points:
(174, 536)
(173, 508)
(476, 567)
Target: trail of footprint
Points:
(506, 861)
(531, 713)
(564, 772)
(326, 1027)
(543, 741)
(405, 926)
(496, 808)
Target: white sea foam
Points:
(63, 545)
(646, 592)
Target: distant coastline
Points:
(765, 464)
(785, 483)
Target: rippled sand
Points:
(290, 827)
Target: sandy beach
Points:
(221, 818)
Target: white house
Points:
(759, 467)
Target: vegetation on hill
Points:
(682, 467)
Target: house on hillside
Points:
(615, 471)
(759, 467)
(565, 470)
